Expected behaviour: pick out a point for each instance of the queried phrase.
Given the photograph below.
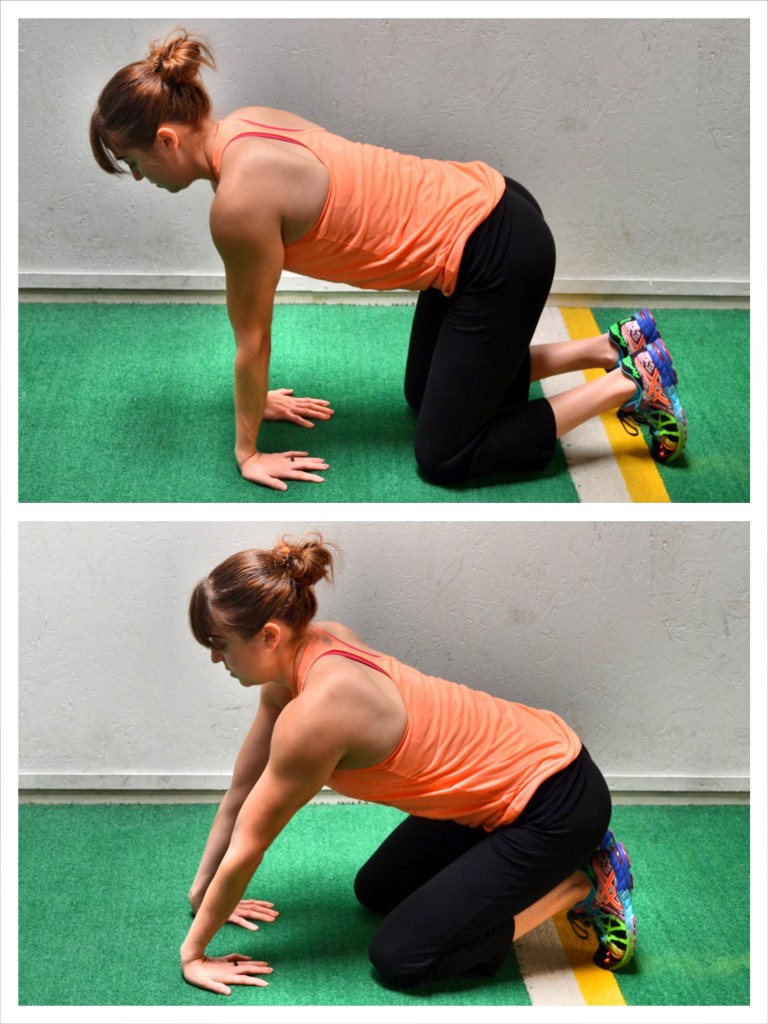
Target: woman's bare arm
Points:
(248, 237)
(309, 739)
(249, 765)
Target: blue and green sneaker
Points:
(607, 910)
(632, 334)
(656, 402)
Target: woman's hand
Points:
(248, 911)
(281, 405)
(217, 973)
(271, 468)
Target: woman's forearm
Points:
(215, 848)
(248, 768)
(251, 385)
(222, 896)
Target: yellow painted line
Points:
(594, 472)
(598, 987)
(632, 454)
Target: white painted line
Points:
(545, 968)
(593, 468)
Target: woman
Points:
(508, 815)
(472, 243)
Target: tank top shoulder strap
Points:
(231, 128)
(318, 648)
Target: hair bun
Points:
(306, 561)
(178, 58)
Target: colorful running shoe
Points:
(607, 910)
(632, 333)
(656, 402)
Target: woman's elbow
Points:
(244, 854)
(253, 344)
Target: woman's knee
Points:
(370, 892)
(394, 961)
(388, 950)
(365, 893)
(440, 465)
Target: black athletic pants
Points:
(468, 369)
(451, 892)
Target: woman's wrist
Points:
(242, 454)
(190, 951)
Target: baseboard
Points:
(184, 786)
(295, 288)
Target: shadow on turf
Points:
(508, 974)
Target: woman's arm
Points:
(308, 742)
(248, 238)
(249, 765)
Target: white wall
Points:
(636, 633)
(633, 134)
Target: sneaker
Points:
(632, 334)
(656, 402)
(607, 910)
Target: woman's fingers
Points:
(244, 969)
(272, 468)
(217, 973)
(282, 405)
(313, 407)
(300, 466)
(297, 460)
(298, 415)
(257, 909)
(243, 922)
(249, 910)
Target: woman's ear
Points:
(167, 137)
(272, 632)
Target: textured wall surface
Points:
(633, 134)
(637, 634)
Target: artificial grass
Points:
(103, 911)
(711, 353)
(133, 403)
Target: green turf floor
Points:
(133, 403)
(711, 352)
(103, 911)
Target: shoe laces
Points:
(629, 421)
(580, 924)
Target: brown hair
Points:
(253, 587)
(165, 87)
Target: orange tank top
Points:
(465, 755)
(390, 220)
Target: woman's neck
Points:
(198, 141)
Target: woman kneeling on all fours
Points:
(471, 242)
(508, 815)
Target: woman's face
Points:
(250, 661)
(160, 165)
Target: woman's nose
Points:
(216, 656)
(137, 175)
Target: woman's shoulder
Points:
(344, 633)
(273, 181)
